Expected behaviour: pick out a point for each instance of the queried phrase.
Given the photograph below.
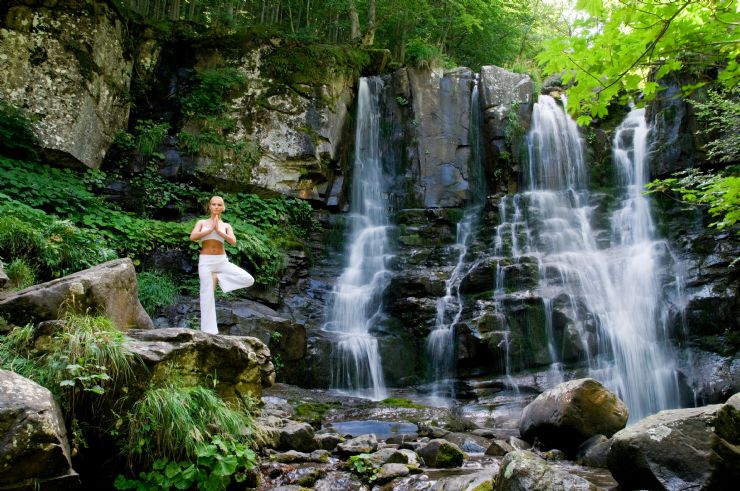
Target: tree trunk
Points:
(355, 21)
(369, 37)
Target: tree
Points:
(622, 47)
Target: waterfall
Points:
(441, 340)
(357, 305)
(610, 278)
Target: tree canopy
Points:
(619, 49)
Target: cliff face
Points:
(67, 66)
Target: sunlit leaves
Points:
(624, 45)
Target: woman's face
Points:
(216, 205)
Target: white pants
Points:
(230, 277)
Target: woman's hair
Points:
(208, 203)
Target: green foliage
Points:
(20, 274)
(218, 464)
(422, 54)
(17, 138)
(398, 402)
(719, 191)
(363, 466)
(149, 135)
(719, 117)
(174, 423)
(47, 245)
(156, 290)
(620, 49)
(212, 90)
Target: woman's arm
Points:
(198, 230)
(227, 234)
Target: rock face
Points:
(680, 449)
(574, 411)
(33, 440)
(65, 63)
(238, 366)
(504, 95)
(524, 471)
(109, 288)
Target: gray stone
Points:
(441, 454)
(679, 449)
(594, 451)
(572, 412)
(404, 456)
(524, 471)
(499, 448)
(355, 446)
(519, 444)
(66, 66)
(242, 365)
(328, 441)
(3, 277)
(109, 288)
(389, 472)
(320, 456)
(291, 457)
(297, 436)
(33, 440)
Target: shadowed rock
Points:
(567, 415)
(109, 288)
(524, 471)
(33, 439)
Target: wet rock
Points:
(298, 436)
(243, 364)
(524, 471)
(33, 439)
(320, 456)
(328, 441)
(441, 454)
(305, 476)
(499, 448)
(339, 481)
(554, 455)
(481, 277)
(358, 445)
(467, 442)
(389, 472)
(290, 457)
(109, 288)
(519, 444)
(680, 449)
(594, 451)
(404, 456)
(572, 412)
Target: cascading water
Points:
(441, 340)
(610, 277)
(357, 295)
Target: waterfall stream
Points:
(357, 294)
(441, 341)
(606, 275)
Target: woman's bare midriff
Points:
(212, 248)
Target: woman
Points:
(213, 266)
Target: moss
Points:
(484, 486)
(399, 402)
(449, 456)
(313, 412)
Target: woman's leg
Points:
(232, 277)
(207, 299)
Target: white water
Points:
(611, 274)
(441, 340)
(357, 294)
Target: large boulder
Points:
(572, 412)
(524, 471)
(33, 439)
(695, 448)
(441, 454)
(235, 366)
(109, 288)
(65, 63)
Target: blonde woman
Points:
(214, 267)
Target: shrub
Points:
(156, 290)
(21, 274)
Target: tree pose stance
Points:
(214, 267)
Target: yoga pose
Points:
(214, 267)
